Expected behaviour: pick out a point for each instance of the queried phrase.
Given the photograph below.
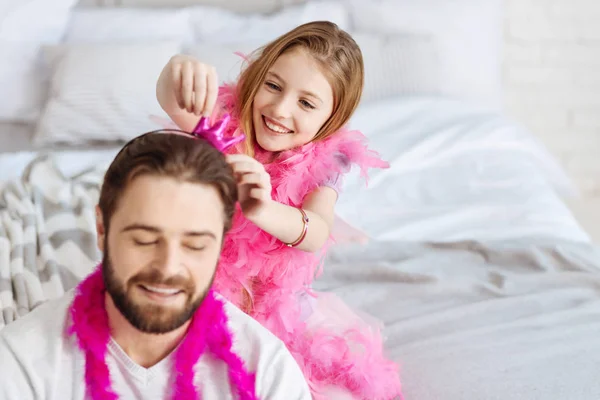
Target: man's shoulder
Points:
(251, 339)
(30, 351)
(278, 375)
(43, 324)
(239, 321)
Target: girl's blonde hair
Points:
(340, 60)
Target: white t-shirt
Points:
(38, 360)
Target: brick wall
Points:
(552, 80)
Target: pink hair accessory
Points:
(214, 134)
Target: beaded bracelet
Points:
(304, 230)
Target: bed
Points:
(464, 247)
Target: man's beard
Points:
(151, 318)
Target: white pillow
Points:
(37, 21)
(217, 25)
(102, 92)
(23, 81)
(25, 26)
(107, 25)
(394, 64)
(468, 33)
(397, 65)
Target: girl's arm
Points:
(285, 222)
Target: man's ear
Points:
(100, 229)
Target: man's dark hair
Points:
(176, 156)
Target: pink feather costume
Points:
(271, 282)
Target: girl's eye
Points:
(307, 104)
(272, 85)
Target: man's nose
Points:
(168, 259)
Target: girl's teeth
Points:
(275, 127)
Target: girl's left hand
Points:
(254, 183)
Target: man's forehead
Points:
(166, 202)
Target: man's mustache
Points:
(155, 277)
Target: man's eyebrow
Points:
(141, 227)
(305, 92)
(154, 229)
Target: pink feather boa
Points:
(348, 356)
(251, 252)
(208, 329)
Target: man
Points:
(146, 324)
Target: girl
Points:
(292, 102)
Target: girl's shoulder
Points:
(345, 149)
(348, 149)
(323, 163)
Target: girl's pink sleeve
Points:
(334, 182)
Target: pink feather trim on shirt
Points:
(208, 329)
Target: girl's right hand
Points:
(186, 84)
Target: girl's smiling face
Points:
(293, 102)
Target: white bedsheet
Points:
(457, 172)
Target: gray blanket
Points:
(476, 321)
(47, 235)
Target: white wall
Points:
(552, 79)
(234, 5)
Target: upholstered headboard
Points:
(233, 5)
